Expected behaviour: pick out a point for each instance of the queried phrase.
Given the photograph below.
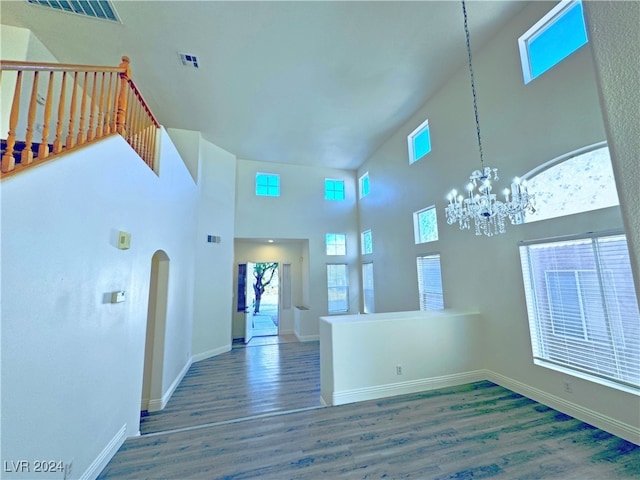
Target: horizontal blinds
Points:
(338, 288)
(367, 287)
(430, 283)
(582, 305)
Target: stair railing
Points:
(103, 101)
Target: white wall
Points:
(72, 362)
(522, 127)
(617, 68)
(214, 170)
(301, 212)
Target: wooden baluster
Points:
(83, 108)
(72, 112)
(43, 149)
(114, 106)
(138, 131)
(129, 116)
(90, 131)
(100, 126)
(27, 154)
(107, 118)
(145, 139)
(57, 143)
(8, 162)
(122, 97)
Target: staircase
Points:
(42, 125)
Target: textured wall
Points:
(615, 41)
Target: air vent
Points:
(188, 60)
(89, 8)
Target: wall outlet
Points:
(567, 387)
(398, 369)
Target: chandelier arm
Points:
(473, 85)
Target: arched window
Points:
(577, 182)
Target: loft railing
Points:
(42, 124)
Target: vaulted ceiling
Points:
(311, 83)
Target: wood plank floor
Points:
(473, 431)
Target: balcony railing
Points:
(43, 124)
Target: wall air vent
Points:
(89, 8)
(188, 60)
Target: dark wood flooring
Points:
(255, 413)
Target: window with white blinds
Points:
(338, 287)
(367, 288)
(583, 308)
(430, 282)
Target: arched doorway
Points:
(156, 326)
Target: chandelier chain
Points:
(473, 84)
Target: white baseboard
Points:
(157, 404)
(603, 422)
(210, 353)
(401, 388)
(106, 454)
(307, 338)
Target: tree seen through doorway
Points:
(263, 274)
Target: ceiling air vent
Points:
(89, 8)
(188, 60)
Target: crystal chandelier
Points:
(480, 205)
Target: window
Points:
(425, 225)
(333, 189)
(268, 184)
(552, 39)
(419, 142)
(364, 185)
(336, 244)
(338, 288)
(367, 242)
(430, 282)
(367, 288)
(582, 307)
(577, 182)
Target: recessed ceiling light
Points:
(270, 241)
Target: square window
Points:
(333, 189)
(338, 288)
(367, 242)
(425, 225)
(336, 244)
(268, 184)
(419, 142)
(553, 38)
(364, 185)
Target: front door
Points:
(250, 298)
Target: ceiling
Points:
(308, 83)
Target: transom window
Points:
(338, 288)
(580, 181)
(583, 309)
(268, 184)
(333, 189)
(430, 282)
(553, 38)
(425, 225)
(336, 244)
(419, 142)
(364, 185)
(367, 242)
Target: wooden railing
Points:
(102, 101)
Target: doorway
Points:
(262, 299)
